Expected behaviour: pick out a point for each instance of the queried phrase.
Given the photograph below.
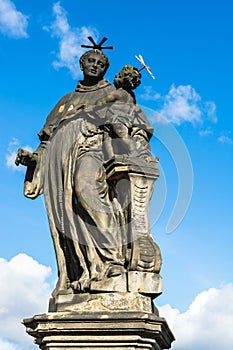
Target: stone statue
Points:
(96, 172)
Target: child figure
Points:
(121, 110)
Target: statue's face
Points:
(94, 66)
(132, 81)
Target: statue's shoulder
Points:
(56, 114)
(66, 98)
(102, 84)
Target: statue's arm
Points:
(33, 185)
(33, 179)
(142, 132)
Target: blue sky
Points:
(188, 46)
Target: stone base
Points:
(66, 301)
(129, 292)
(99, 331)
(145, 282)
(148, 283)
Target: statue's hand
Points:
(25, 158)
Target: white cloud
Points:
(10, 161)
(207, 324)
(24, 293)
(6, 345)
(70, 40)
(149, 94)
(12, 22)
(225, 139)
(12, 153)
(205, 132)
(210, 110)
(182, 104)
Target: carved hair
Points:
(96, 51)
(128, 78)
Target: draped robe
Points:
(88, 227)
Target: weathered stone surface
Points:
(109, 302)
(132, 291)
(114, 284)
(145, 282)
(100, 331)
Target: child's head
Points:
(128, 78)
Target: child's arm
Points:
(118, 95)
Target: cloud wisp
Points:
(70, 40)
(149, 94)
(13, 23)
(207, 324)
(12, 153)
(206, 132)
(181, 104)
(6, 345)
(225, 139)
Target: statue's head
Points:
(128, 78)
(94, 64)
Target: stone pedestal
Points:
(99, 331)
(123, 317)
